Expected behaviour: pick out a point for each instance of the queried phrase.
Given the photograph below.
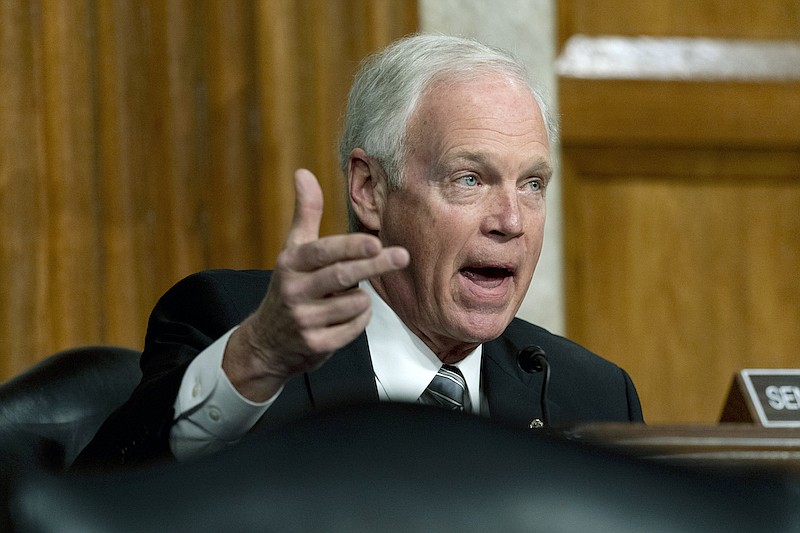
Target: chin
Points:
(483, 327)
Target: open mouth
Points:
(488, 277)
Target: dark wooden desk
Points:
(745, 446)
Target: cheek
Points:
(447, 233)
(534, 244)
(433, 231)
(434, 244)
(411, 221)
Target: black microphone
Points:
(532, 359)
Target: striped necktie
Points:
(446, 390)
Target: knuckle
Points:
(284, 260)
(292, 292)
(320, 255)
(357, 302)
(362, 300)
(342, 275)
(302, 319)
(315, 342)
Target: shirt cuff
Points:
(208, 408)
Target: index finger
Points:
(307, 209)
(329, 250)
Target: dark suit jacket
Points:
(201, 308)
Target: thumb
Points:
(307, 209)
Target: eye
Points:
(536, 185)
(470, 180)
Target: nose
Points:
(503, 216)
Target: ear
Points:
(366, 189)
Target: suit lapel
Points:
(512, 394)
(347, 378)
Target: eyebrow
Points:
(540, 167)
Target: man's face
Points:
(471, 213)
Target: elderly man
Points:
(446, 151)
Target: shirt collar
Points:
(403, 364)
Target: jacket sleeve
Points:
(634, 405)
(187, 319)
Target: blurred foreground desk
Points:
(743, 446)
(759, 429)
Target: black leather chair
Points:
(52, 410)
(407, 468)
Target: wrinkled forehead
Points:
(488, 99)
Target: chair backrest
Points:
(406, 467)
(52, 410)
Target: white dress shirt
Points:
(211, 414)
(404, 365)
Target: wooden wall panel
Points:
(70, 199)
(684, 279)
(122, 104)
(765, 19)
(141, 141)
(682, 207)
(20, 177)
